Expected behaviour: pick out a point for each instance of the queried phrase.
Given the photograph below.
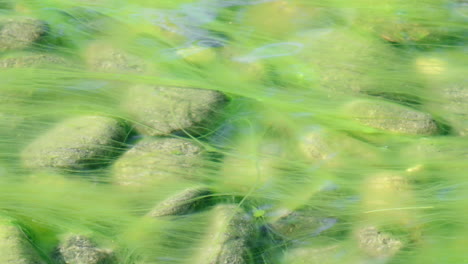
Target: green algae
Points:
(310, 177)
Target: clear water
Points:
(288, 140)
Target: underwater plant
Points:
(233, 131)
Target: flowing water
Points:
(331, 131)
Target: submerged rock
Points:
(327, 147)
(227, 241)
(300, 225)
(377, 244)
(102, 56)
(156, 159)
(343, 68)
(15, 246)
(32, 60)
(381, 193)
(391, 117)
(20, 33)
(161, 110)
(184, 202)
(77, 143)
(78, 249)
(455, 105)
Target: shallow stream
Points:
(233, 131)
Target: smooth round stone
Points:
(184, 202)
(77, 143)
(20, 33)
(154, 160)
(78, 249)
(15, 246)
(158, 110)
(391, 117)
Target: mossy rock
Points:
(228, 237)
(184, 202)
(455, 105)
(300, 225)
(348, 67)
(378, 244)
(78, 143)
(28, 60)
(336, 149)
(409, 22)
(153, 160)
(391, 117)
(78, 249)
(15, 245)
(159, 110)
(103, 56)
(20, 33)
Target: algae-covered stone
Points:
(15, 246)
(301, 225)
(78, 249)
(184, 202)
(342, 60)
(444, 75)
(156, 159)
(391, 117)
(454, 104)
(335, 149)
(161, 110)
(384, 191)
(20, 33)
(227, 241)
(410, 22)
(32, 60)
(378, 244)
(77, 143)
(102, 56)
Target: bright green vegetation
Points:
(233, 132)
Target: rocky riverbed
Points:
(233, 132)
